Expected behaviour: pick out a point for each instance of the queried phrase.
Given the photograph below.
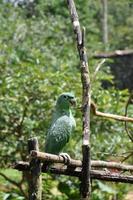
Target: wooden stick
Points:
(107, 176)
(54, 158)
(111, 165)
(21, 166)
(75, 21)
(116, 117)
(35, 180)
(95, 174)
(110, 116)
(117, 53)
(80, 39)
(104, 22)
(77, 163)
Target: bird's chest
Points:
(62, 128)
(68, 122)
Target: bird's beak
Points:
(73, 102)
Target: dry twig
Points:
(98, 68)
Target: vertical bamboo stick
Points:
(86, 99)
(35, 182)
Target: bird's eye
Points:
(65, 96)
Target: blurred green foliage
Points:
(38, 61)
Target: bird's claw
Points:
(66, 157)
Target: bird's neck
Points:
(63, 111)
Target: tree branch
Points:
(8, 179)
(98, 68)
(117, 53)
(86, 99)
(77, 172)
(17, 184)
(108, 115)
(54, 158)
(128, 156)
(77, 163)
(107, 176)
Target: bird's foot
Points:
(66, 157)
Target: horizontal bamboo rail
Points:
(116, 53)
(76, 172)
(77, 163)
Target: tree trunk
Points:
(104, 21)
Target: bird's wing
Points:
(58, 135)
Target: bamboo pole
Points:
(78, 163)
(104, 21)
(80, 39)
(76, 172)
(35, 179)
(117, 53)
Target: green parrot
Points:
(62, 125)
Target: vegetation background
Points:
(38, 61)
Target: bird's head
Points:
(66, 100)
